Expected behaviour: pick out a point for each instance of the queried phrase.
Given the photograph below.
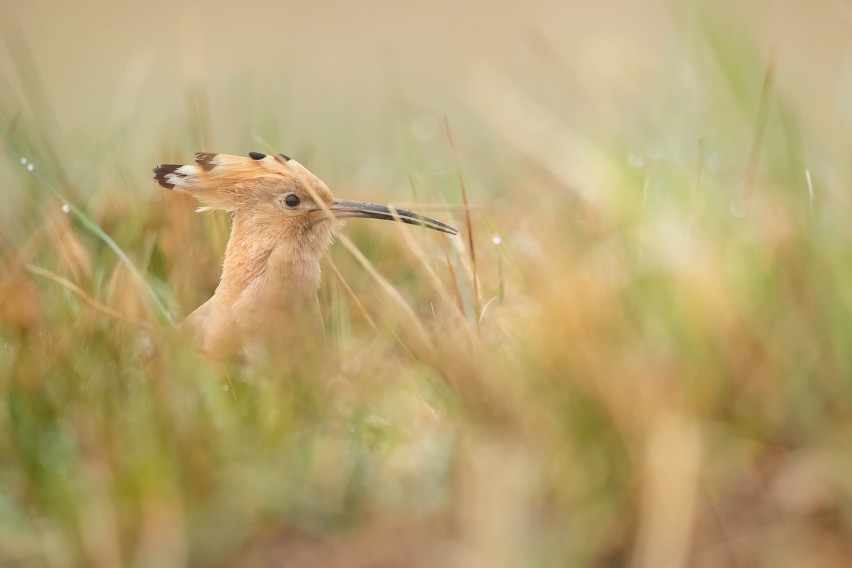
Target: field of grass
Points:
(637, 352)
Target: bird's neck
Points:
(268, 288)
(268, 265)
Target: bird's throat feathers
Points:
(285, 258)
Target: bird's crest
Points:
(226, 182)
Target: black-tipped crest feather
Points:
(205, 160)
(163, 170)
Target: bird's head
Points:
(275, 192)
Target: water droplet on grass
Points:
(634, 160)
(66, 208)
(736, 210)
(714, 162)
(144, 345)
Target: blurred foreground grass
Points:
(655, 372)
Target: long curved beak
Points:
(343, 208)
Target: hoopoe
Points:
(283, 221)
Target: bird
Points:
(283, 219)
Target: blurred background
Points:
(635, 354)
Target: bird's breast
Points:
(282, 299)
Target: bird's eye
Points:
(292, 200)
